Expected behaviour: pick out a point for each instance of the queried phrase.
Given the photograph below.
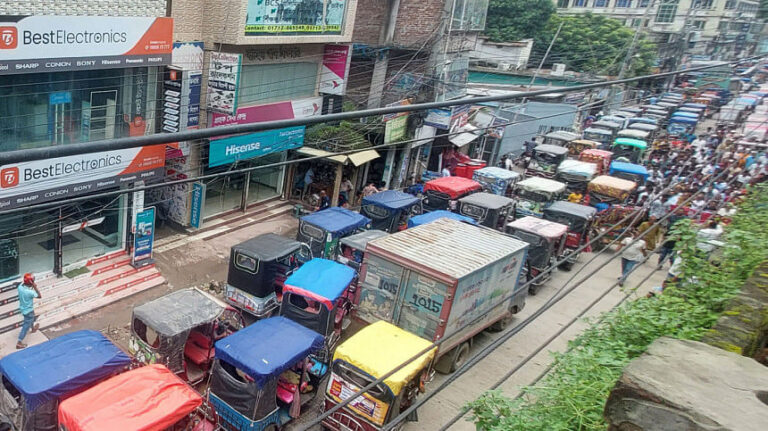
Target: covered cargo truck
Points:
(443, 280)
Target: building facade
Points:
(706, 29)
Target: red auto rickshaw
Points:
(443, 193)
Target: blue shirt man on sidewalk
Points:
(28, 291)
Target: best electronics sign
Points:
(61, 43)
(28, 183)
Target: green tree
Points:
(595, 44)
(511, 20)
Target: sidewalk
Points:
(8, 341)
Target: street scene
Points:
(361, 215)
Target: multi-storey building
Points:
(715, 29)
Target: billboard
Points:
(302, 17)
(223, 79)
(300, 108)
(31, 44)
(28, 183)
(335, 69)
(252, 145)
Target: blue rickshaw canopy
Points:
(336, 220)
(321, 280)
(434, 215)
(391, 199)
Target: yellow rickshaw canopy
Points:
(380, 347)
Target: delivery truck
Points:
(443, 280)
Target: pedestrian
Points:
(28, 291)
(508, 163)
(632, 253)
(325, 201)
(446, 172)
(653, 230)
(369, 190)
(705, 237)
(345, 188)
(309, 177)
(667, 251)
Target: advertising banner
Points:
(302, 17)
(395, 129)
(28, 183)
(144, 237)
(181, 87)
(438, 118)
(223, 77)
(301, 108)
(459, 117)
(32, 44)
(229, 150)
(198, 203)
(335, 69)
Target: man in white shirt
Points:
(508, 163)
(632, 254)
(446, 172)
(705, 237)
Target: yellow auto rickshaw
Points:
(374, 351)
(610, 190)
(576, 147)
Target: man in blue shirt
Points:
(27, 292)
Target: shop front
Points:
(60, 85)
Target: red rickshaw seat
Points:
(199, 348)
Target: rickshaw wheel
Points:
(532, 289)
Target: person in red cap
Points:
(27, 292)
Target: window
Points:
(643, 3)
(469, 14)
(636, 22)
(667, 11)
(246, 263)
(730, 4)
(580, 3)
(562, 3)
(699, 24)
(623, 3)
(723, 25)
(601, 3)
(264, 83)
(703, 4)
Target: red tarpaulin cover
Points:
(145, 399)
(454, 187)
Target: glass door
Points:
(102, 114)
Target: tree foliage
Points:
(596, 44)
(512, 20)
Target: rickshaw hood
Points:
(281, 344)
(452, 186)
(611, 185)
(321, 280)
(562, 135)
(179, 311)
(62, 365)
(487, 200)
(603, 154)
(543, 228)
(146, 398)
(584, 212)
(358, 241)
(629, 168)
(537, 184)
(551, 149)
(434, 215)
(382, 346)
(576, 167)
(337, 220)
(495, 173)
(599, 131)
(636, 143)
(267, 247)
(391, 200)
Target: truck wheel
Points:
(452, 360)
(532, 289)
(462, 354)
(500, 324)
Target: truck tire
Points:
(500, 324)
(454, 359)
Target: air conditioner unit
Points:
(558, 69)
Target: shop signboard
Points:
(301, 108)
(459, 117)
(181, 86)
(335, 69)
(223, 77)
(35, 44)
(438, 118)
(27, 183)
(243, 147)
(299, 17)
(60, 98)
(198, 201)
(143, 237)
(395, 129)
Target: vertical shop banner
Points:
(223, 77)
(144, 237)
(181, 86)
(198, 203)
(335, 69)
(172, 100)
(302, 17)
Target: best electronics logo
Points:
(9, 37)
(9, 177)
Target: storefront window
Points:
(101, 236)
(42, 109)
(26, 242)
(264, 83)
(268, 182)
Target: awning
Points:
(465, 137)
(357, 159)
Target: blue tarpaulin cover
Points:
(434, 215)
(336, 220)
(629, 168)
(321, 279)
(391, 200)
(268, 347)
(62, 366)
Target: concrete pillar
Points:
(337, 185)
(378, 79)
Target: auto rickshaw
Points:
(700, 107)
(559, 138)
(257, 269)
(576, 147)
(610, 190)
(642, 120)
(38, 378)
(631, 149)
(599, 134)
(352, 248)
(630, 171)
(367, 356)
(623, 113)
(496, 180)
(636, 110)
(323, 229)
(534, 194)
(545, 160)
(579, 219)
(634, 134)
(145, 398)
(613, 126)
(614, 119)
(576, 175)
(260, 375)
(389, 210)
(443, 193)
(547, 245)
(697, 111)
(650, 129)
(601, 158)
(488, 209)
(434, 215)
(179, 329)
(319, 295)
(679, 126)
